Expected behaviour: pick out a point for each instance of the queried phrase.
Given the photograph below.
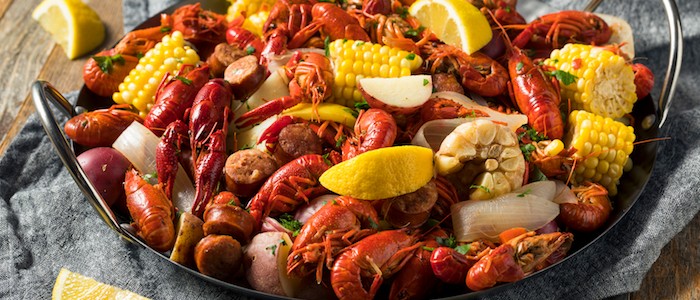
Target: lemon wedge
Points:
(455, 22)
(71, 285)
(72, 24)
(382, 173)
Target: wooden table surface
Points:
(27, 53)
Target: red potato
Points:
(105, 168)
(402, 95)
(265, 261)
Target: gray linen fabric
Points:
(47, 224)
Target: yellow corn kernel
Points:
(604, 81)
(354, 60)
(168, 56)
(603, 145)
(554, 147)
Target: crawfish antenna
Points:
(503, 30)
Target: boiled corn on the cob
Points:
(168, 56)
(354, 60)
(604, 146)
(255, 11)
(604, 82)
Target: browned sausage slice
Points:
(218, 256)
(244, 75)
(297, 140)
(446, 82)
(224, 55)
(246, 170)
(228, 220)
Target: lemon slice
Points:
(71, 285)
(455, 22)
(72, 24)
(382, 173)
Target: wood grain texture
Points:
(28, 53)
(676, 273)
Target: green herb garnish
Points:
(565, 77)
(183, 79)
(106, 63)
(474, 186)
(447, 242)
(288, 222)
(463, 249)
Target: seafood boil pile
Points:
(320, 149)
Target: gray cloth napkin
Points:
(47, 224)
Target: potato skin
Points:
(189, 233)
(105, 168)
(260, 261)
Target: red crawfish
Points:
(590, 212)
(210, 111)
(517, 258)
(174, 97)
(173, 140)
(292, 184)
(208, 171)
(151, 211)
(374, 129)
(100, 128)
(332, 22)
(373, 258)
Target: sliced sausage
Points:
(228, 220)
(246, 170)
(218, 256)
(244, 75)
(446, 82)
(296, 140)
(224, 55)
(412, 209)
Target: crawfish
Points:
(503, 11)
(416, 279)
(335, 226)
(291, 184)
(332, 22)
(591, 211)
(374, 129)
(173, 140)
(451, 266)
(208, 171)
(100, 128)
(377, 256)
(203, 28)
(174, 97)
(537, 96)
(553, 31)
(478, 72)
(557, 165)
(310, 80)
(151, 211)
(286, 19)
(210, 111)
(517, 258)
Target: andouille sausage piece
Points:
(228, 219)
(224, 55)
(218, 256)
(412, 209)
(296, 140)
(245, 76)
(446, 82)
(246, 170)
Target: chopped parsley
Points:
(463, 249)
(372, 224)
(519, 66)
(150, 176)
(426, 82)
(107, 62)
(250, 50)
(272, 248)
(340, 141)
(527, 150)
(532, 134)
(232, 202)
(414, 32)
(564, 77)
(411, 56)
(287, 221)
(139, 55)
(402, 11)
(526, 192)
(447, 242)
(183, 79)
(507, 9)
(165, 29)
(326, 160)
(428, 248)
(362, 105)
(474, 186)
(326, 45)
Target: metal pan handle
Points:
(675, 55)
(42, 91)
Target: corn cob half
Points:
(168, 56)
(255, 11)
(604, 82)
(354, 60)
(603, 145)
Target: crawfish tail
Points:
(208, 172)
(151, 211)
(210, 110)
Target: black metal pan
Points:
(651, 116)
